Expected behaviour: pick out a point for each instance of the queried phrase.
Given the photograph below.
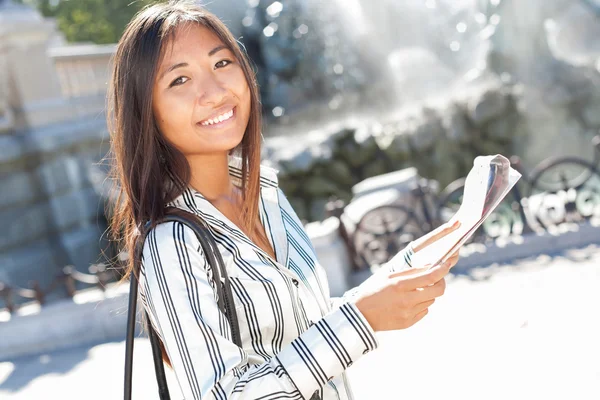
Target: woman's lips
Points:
(220, 124)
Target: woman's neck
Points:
(210, 176)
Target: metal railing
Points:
(560, 190)
(100, 276)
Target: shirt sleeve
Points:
(197, 337)
(400, 262)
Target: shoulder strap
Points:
(221, 283)
(215, 262)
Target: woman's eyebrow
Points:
(171, 68)
(216, 49)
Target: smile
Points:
(219, 120)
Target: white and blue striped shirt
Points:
(296, 339)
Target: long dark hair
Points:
(147, 170)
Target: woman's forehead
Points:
(190, 37)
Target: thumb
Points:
(410, 271)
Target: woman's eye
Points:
(222, 63)
(179, 81)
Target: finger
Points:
(449, 263)
(423, 306)
(442, 231)
(455, 255)
(435, 235)
(429, 293)
(419, 316)
(422, 279)
(409, 271)
(453, 259)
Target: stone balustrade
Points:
(83, 73)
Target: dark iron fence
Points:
(558, 191)
(66, 281)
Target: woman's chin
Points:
(218, 146)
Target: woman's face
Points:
(201, 100)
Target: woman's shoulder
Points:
(170, 235)
(170, 244)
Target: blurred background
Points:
(387, 103)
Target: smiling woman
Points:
(201, 99)
(184, 118)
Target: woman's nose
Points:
(210, 92)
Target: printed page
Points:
(488, 182)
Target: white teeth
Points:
(218, 119)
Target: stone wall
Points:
(51, 206)
(441, 140)
(52, 137)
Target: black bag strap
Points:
(221, 283)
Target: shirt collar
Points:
(194, 201)
(268, 175)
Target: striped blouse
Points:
(296, 340)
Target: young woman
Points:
(185, 121)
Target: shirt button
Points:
(366, 351)
(295, 282)
(350, 363)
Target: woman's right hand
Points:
(402, 299)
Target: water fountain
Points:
(375, 57)
(358, 56)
